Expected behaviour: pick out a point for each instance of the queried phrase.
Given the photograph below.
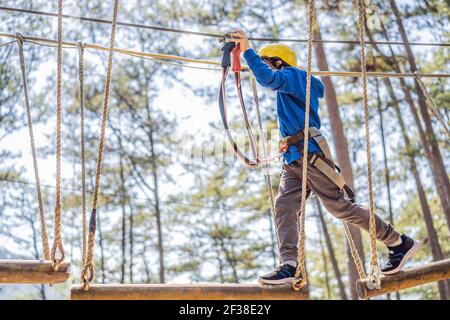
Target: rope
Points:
(57, 243)
(266, 160)
(7, 43)
(139, 54)
(374, 271)
(215, 35)
(87, 273)
(430, 102)
(44, 238)
(179, 64)
(82, 143)
(300, 273)
(134, 53)
(266, 166)
(355, 255)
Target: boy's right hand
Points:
(239, 36)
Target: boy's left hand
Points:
(239, 36)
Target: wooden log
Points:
(435, 271)
(32, 272)
(186, 292)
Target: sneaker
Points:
(283, 274)
(400, 254)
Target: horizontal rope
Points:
(157, 56)
(215, 35)
(175, 63)
(7, 43)
(73, 45)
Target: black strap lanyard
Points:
(231, 49)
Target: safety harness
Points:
(322, 161)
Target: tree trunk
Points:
(157, 211)
(144, 260)
(230, 259)
(35, 247)
(385, 158)
(341, 147)
(436, 161)
(219, 260)
(102, 249)
(392, 60)
(324, 259)
(330, 249)
(74, 212)
(432, 235)
(386, 167)
(131, 242)
(157, 208)
(124, 214)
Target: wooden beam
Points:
(186, 292)
(435, 271)
(32, 272)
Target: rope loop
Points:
(299, 284)
(88, 271)
(374, 278)
(57, 247)
(81, 46)
(87, 275)
(20, 39)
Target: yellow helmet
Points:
(279, 50)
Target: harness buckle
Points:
(224, 37)
(284, 146)
(313, 158)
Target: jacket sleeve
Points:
(281, 80)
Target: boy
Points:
(276, 68)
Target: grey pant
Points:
(287, 209)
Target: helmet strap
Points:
(277, 63)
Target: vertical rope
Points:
(430, 102)
(44, 237)
(300, 274)
(375, 273)
(355, 255)
(266, 166)
(87, 272)
(57, 243)
(80, 46)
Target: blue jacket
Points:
(290, 84)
